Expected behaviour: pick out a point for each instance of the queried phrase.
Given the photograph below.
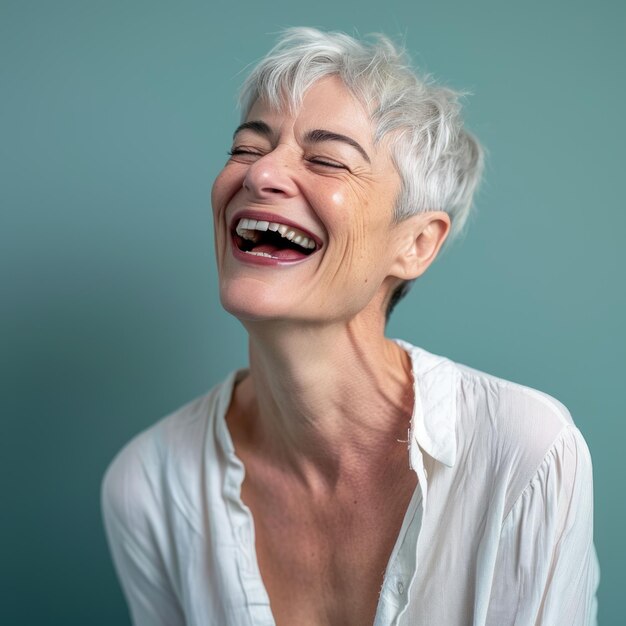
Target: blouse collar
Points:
(433, 424)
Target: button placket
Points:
(245, 547)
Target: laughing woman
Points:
(344, 478)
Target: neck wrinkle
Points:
(328, 402)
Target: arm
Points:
(132, 518)
(547, 571)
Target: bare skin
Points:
(321, 422)
(324, 538)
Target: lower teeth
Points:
(269, 256)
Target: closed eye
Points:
(251, 152)
(236, 151)
(324, 162)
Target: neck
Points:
(326, 401)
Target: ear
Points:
(420, 238)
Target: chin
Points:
(254, 302)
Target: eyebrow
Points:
(313, 136)
(256, 126)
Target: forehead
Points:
(328, 103)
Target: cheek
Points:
(337, 199)
(358, 225)
(342, 213)
(225, 186)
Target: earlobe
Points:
(422, 238)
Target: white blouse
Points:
(499, 530)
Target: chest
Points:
(323, 561)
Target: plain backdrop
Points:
(116, 116)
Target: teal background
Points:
(116, 116)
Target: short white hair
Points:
(439, 162)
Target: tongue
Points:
(287, 254)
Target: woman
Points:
(344, 478)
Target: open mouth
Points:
(273, 240)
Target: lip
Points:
(272, 217)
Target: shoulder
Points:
(511, 407)
(504, 430)
(155, 467)
(484, 400)
(526, 432)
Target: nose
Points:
(271, 176)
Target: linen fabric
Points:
(499, 530)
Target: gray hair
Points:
(438, 160)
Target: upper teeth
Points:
(246, 228)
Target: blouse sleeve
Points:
(547, 571)
(131, 521)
